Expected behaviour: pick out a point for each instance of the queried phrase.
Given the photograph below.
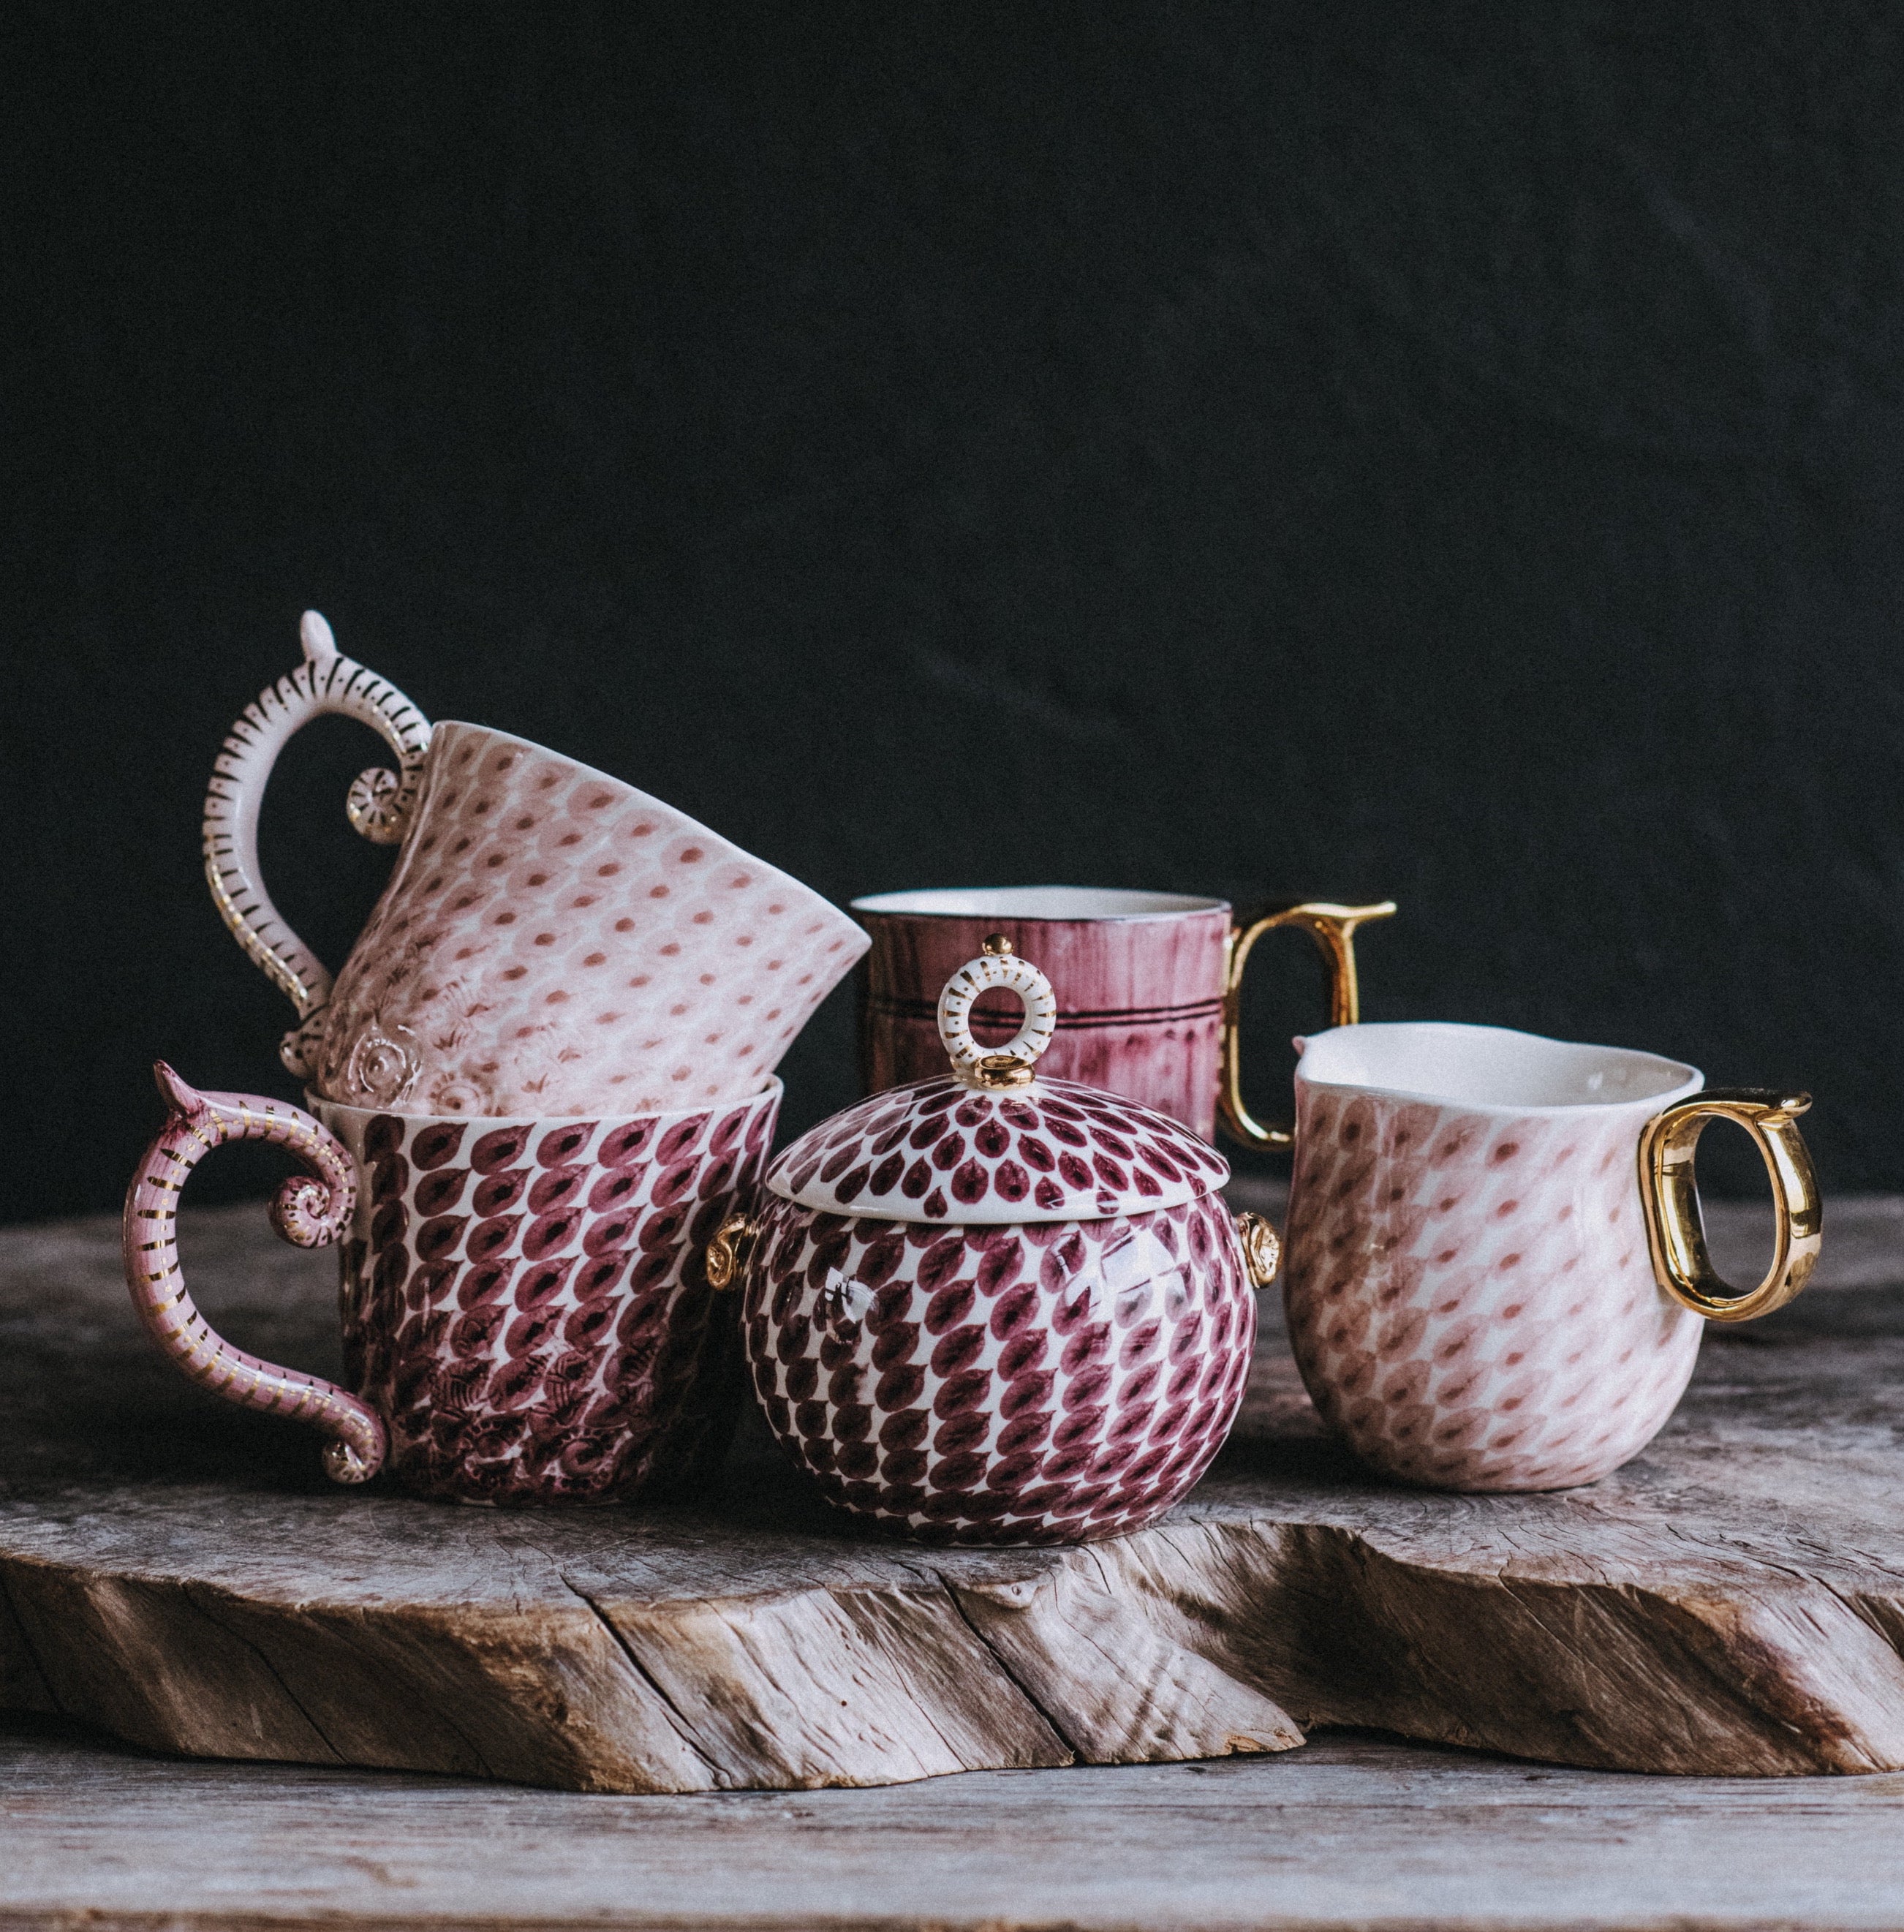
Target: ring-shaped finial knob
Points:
(1010, 1065)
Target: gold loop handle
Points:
(1669, 1192)
(1333, 927)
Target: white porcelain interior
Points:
(1055, 902)
(1490, 1068)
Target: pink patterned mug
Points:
(1151, 987)
(527, 1314)
(1494, 1267)
(551, 940)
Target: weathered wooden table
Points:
(1351, 1829)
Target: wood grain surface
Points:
(1351, 1832)
(176, 1571)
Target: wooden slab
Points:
(176, 1571)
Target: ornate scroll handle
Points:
(1669, 1192)
(379, 805)
(1333, 927)
(1012, 1064)
(310, 1213)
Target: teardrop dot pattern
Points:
(554, 942)
(1055, 1383)
(938, 1151)
(525, 1302)
(1470, 1296)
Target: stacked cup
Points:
(536, 1088)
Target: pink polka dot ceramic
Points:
(990, 1308)
(1478, 1288)
(526, 1314)
(551, 941)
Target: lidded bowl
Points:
(989, 1308)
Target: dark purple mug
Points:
(526, 1314)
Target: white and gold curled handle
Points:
(1669, 1194)
(311, 1209)
(1333, 927)
(379, 806)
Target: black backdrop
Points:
(1447, 452)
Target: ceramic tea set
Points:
(1000, 1300)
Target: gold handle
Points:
(1333, 927)
(727, 1252)
(1669, 1189)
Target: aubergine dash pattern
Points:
(1056, 1382)
(526, 1303)
(937, 1150)
(1471, 1301)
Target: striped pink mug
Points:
(1152, 985)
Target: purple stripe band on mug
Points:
(983, 1011)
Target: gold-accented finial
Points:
(1003, 1069)
(1011, 1065)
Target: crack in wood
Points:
(716, 1775)
(192, 1593)
(954, 1596)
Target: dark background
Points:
(1445, 452)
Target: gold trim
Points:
(1669, 1192)
(1333, 927)
(998, 1071)
(728, 1252)
(1262, 1253)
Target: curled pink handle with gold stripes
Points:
(311, 1210)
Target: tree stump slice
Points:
(178, 1572)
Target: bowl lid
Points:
(939, 1150)
(989, 1143)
